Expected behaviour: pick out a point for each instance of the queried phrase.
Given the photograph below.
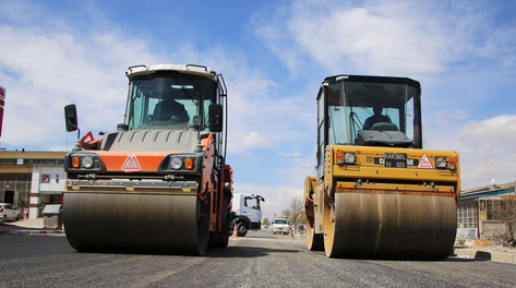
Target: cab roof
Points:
(193, 69)
(370, 78)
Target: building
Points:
(30, 180)
(487, 209)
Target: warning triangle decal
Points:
(424, 162)
(131, 164)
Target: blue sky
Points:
(274, 55)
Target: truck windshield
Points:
(252, 202)
(170, 101)
(355, 106)
(280, 221)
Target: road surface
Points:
(258, 260)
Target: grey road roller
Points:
(159, 183)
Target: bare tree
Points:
(286, 213)
(507, 213)
(296, 210)
(504, 210)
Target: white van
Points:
(280, 225)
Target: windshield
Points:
(252, 202)
(355, 106)
(170, 101)
(280, 221)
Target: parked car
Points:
(8, 212)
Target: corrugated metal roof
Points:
(489, 190)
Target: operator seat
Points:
(384, 126)
(169, 109)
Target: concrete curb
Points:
(496, 256)
(33, 232)
(22, 225)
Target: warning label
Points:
(424, 162)
(131, 164)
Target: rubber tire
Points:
(18, 217)
(4, 219)
(241, 229)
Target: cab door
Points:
(251, 209)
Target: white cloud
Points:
(46, 71)
(420, 39)
(290, 155)
(47, 66)
(377, 37)
(259, 117)
(486, 148)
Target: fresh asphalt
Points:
(258, 260)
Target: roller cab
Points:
(159, 183)
(377, 192)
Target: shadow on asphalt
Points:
(245, 252)
(463, 260)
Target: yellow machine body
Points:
(369, 208)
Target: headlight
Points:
(349, 158)
(440, 162)
(345, 157)
(87, 162)
(176, 163)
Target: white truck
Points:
(246, 212)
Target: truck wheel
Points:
(242, 230)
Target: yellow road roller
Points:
(377, 193)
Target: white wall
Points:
(55, 185)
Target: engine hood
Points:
(152, 140)
(383, 138)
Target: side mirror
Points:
(216, 118)
(71, 118)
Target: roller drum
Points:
(395, 226)
(136, 222)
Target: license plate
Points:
(395, 160)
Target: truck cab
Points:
(247, 212)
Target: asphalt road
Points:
(258, 260)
